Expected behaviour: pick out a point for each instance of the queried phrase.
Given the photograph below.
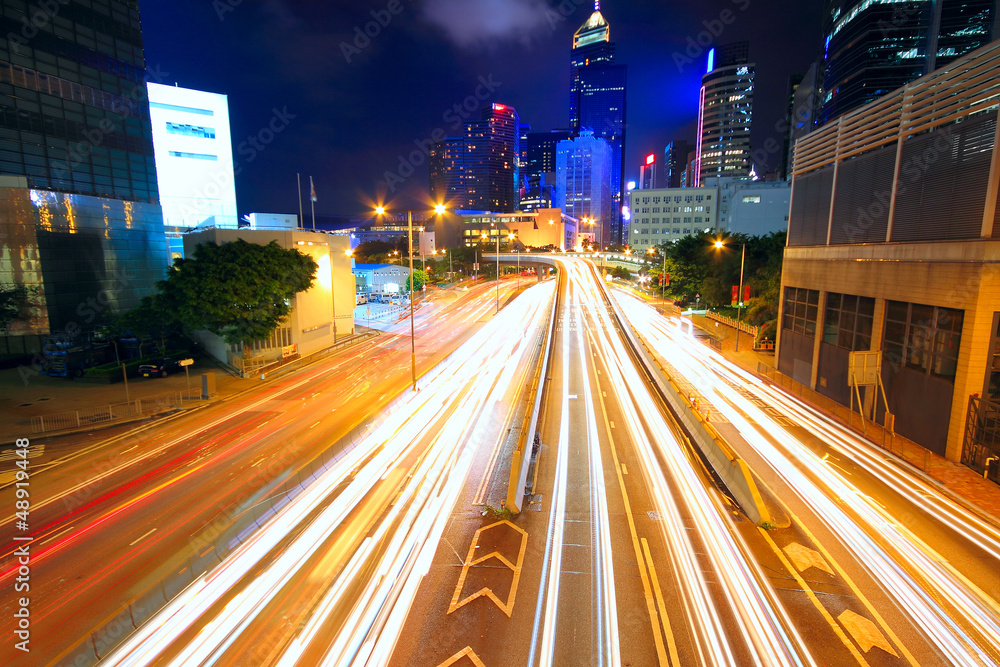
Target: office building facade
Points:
(81, 220)
(894, 248)
(194, 160)
(598, 103)
(583, 177)
(725, 113)
(446, 164)
(492, 147)
(675, 158)
(666, 214)
(874, 47)
(73, 111)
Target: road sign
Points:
(185, 362)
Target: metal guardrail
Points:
(107, 414)
(732, 322)
(981, 446)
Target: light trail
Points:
(472, 372)
(917, 577)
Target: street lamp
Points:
(511, 237)
(379, 211)
(739, 295)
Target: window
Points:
(687, 230)
(645, 200)
(677, 230)
(698, 219)
(191, 130)
(801, 309)
(656, 200)
(687, 220)
(677, 200)
(923, 338)
(194, 156)
(687, 199)
(687, 209)
(751, 199)
(656, 209)
(645, 209)
(656, 221)
(848, 321)
(699, 198)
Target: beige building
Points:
(894, 246)
(310, 326)
(537, 229)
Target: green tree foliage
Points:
(419, 280)
(240, 291)
(696, 266)
(151, 320)
(15, 303)
(621, 273)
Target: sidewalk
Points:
(958, 481)
(31, 395)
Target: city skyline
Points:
(351, 146)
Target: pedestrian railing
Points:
(732, 322)
(115, 412)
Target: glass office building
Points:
(725, 114)
(78, 192)
(873, 47)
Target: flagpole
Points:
(312, 196)
(298, 181)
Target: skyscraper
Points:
(491, 159)
(583, 186)
(79, 206)
(874, 47)
(725, 112)
(675, 157)
(447, 172)
(597, 102)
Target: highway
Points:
(114, 517)
(630, 551)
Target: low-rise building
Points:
(319, 315)
(894, 248)
(381, 278)
(662, 215)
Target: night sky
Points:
(352, 120)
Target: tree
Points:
(419, 280)
(150, 320)
(621, 273)
(15, 303)
(240, 291)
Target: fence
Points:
(876, 433)
(732, 322)
(107, 414)
(981, 447)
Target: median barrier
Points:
(732, 470)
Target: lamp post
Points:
(438, 209)
(510, 238)
(739, 294)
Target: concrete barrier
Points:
(731, 469)
(521, 459)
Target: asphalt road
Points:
(112, 518)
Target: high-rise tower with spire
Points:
(597, 102)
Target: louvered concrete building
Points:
(894, 246)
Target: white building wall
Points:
(666, 214)
(194, 156)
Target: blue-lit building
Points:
(583, 183)
(874, 47)
(598, 103)
(725, 113)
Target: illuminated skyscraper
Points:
(491, 160)
(597, 102)
(725, 112)
(447, 172)
(873, 47)
(582, 181)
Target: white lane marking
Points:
(142, 537)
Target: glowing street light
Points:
(379, 211)
(739, 295)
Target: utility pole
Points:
(413, 340)
(739, 297)
(298, 180)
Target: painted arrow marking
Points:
(865, 633)
(804, 558)
(466, 652)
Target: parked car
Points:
(160, 367)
